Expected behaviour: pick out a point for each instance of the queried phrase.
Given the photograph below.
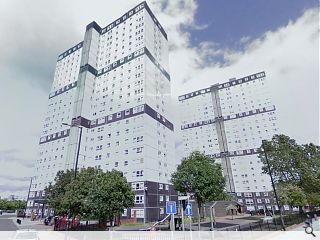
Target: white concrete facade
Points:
(116, 86)
(228, 121)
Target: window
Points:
(257, 194)
(160, 198)
(248, 194)
(249, 201)
(167, 198)
(239, 194)
(161, 210)
(139, 199)
(167, 187)
(265, 194)
(137, 185)
(125, 213)
(138, 213)
(126, 163)
(99, 147)
(116, 164)
(139, 173)
(267, 200)
(160, 186)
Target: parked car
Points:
(20, 213)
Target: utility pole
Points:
(78, 150)
(145, 189)
(273, 186)
(28, 195)
(182, 214)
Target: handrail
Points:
(158, 222)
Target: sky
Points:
(210, 41)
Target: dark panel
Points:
(62, 90)
(223, 85)
(70, 50)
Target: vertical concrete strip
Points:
(222, 139)
(85, 91)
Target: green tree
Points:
(290, 163)
(200, 176)
(109, 195)
(94, 193)
(310, 169)
(284, 156)
(12, 204)
(55, 192)
(291, 195)
(77, 191)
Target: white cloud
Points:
(244, 39)
(33, 33)
(290, 57)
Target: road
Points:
(7, 224)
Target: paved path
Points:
(9, 223)
(28, 224)
(315, 226)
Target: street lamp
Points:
(145, 191)
(272, 182)
(79, 144)
(31, 178)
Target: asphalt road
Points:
(7, 225)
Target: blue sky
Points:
(228, 21)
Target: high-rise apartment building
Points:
(228, 122)
(115, 85)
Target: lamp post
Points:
(273, 185)
(25, 211)
(145, 190)
(78, 151)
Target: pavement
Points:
(9, 223)
(301, 227)
(222, 223)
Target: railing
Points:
(156, 224)
(271, 224)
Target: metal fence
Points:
(273, 224)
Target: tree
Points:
(55, 192)
(290, 163)
(94, 193)
(284, 158)
(200, 176)
(109, 195)
(291, 195)
(310, 169)
(77, 191)
(12, 204)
